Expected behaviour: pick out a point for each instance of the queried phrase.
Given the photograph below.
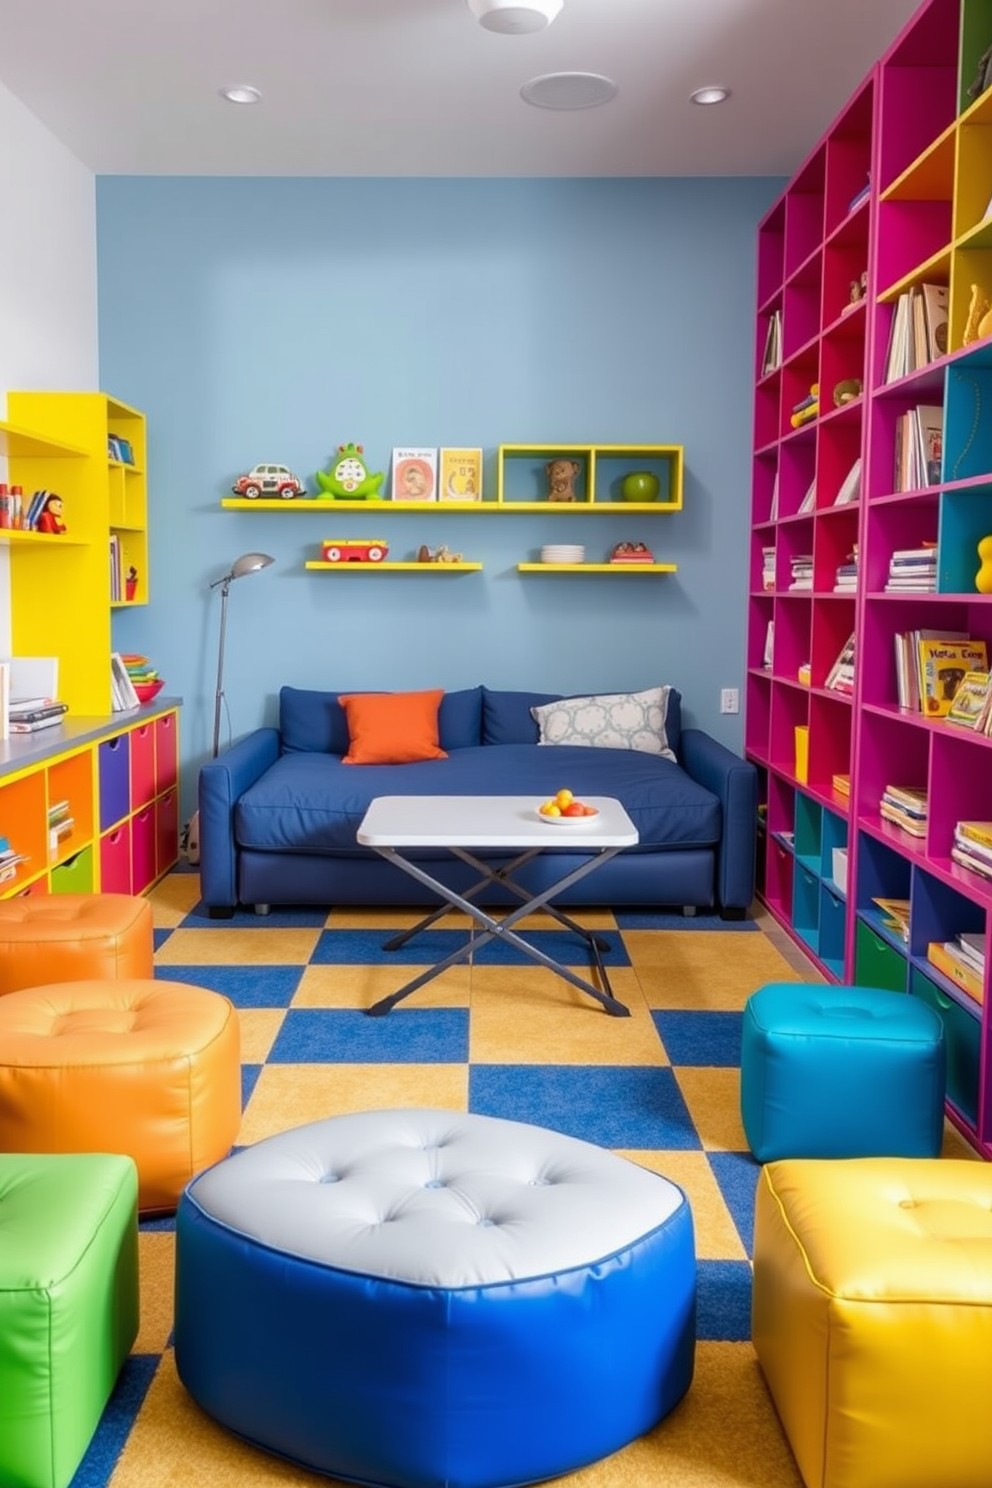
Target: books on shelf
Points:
(460, 475)
(895, 916)
(414, 474)
(943, 667)
(850, 486)
(809, 500)
(768, 568)
(918, 330)
(841, 783)
(978, 832)
(919, 445)
(970, 703)
(766, 660)
(801, 565)
(913, 570)
(840, 677)
(846, 577)
(772, 356)
(946, 956)
(123, 695)
(773, 507)
(906, 807)
(972, 847)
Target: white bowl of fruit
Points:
(563, 810)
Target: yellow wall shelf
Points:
(411, 567)
(598, 568)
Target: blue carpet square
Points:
(249, 1079)
(159, 937)
(707, 1040)
(737, 1174)
(158, 1224)
(612, 1106)
(116, 1422)
(280, 917)
(674, 919)
(348, 1036)
(365, 948)
(723, 1301)
(246, 986)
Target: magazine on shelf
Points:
(414, 474)
(968, 703)
(460, 475)
(122, 688)
(943, 667)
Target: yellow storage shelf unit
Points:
(60, 584)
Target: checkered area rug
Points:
(500, 1036)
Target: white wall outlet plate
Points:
(730, 700)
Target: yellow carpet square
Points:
(289, 1095)
(716, 1234)
(529, 1015)
(259, 1027)
(713, 1097)
(361, 986)
(237, 948)
(704, 970)
(156, 1278)
(173, 898)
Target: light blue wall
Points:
(271, 320)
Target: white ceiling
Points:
(418, 88)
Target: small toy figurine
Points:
(807, 408)
(437, 555)
(50, 516)
(859, 291)
(846, 391)
(349, 478)
(561, 479)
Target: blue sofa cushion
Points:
(506, 716)
(312, 721)
(309, 802)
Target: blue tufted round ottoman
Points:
(830, 1071)
(421, 1297)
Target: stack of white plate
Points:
(563, 553)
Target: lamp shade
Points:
(249, 563)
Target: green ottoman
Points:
(68, 1305)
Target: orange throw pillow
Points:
(392, 728)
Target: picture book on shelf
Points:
(460, 477)
(943, 667)
(414, 475)
(945, 955)
(935, 314)
(969, 700)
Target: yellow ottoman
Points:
(150, 1069)
(71, 937)
(872, 1318)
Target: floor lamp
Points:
(246, 564)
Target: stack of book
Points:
(802, 571)
(913, 570)
(962, 961)
(768, 568)
(895, 916)
(842, 785)
(846, 580)
(9, 859)
(972, 846)
(28, 715)
(906, 806)
(60, 825)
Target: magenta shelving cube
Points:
(804, 212)
(771, 253)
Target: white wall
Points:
(48, 286)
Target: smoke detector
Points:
(513, 19)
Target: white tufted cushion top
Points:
(436, 1198)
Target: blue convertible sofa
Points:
(279, 811)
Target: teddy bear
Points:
(561, 479)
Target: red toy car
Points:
(269, 480)
(354, 550)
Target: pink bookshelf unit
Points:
(918, 132)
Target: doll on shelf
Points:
(50, 516)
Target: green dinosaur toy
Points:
(349, 478)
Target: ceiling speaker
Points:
(512, 18)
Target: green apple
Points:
(640, 485)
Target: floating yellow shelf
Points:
(436, 508)
(413, 566)
(601, 568)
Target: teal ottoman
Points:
(830, 1071)
(68, 1306)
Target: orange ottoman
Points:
(147, 1068)
(69, 937)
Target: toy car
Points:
(631, 552)
(354, 550)
(269, 480)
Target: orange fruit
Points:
(564, 798)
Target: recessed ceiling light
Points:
(569, 90)
(512, 18)
(243, 93)
(709, 95)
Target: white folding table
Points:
(468, 825)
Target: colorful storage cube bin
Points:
(832, 1071)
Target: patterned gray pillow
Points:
(613, 720)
